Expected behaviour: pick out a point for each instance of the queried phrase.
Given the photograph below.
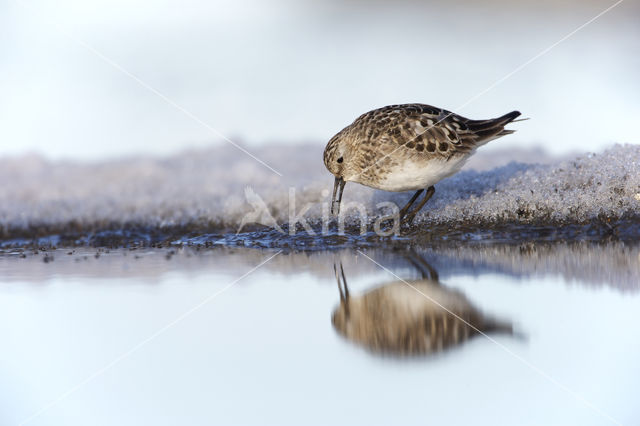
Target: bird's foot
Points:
(407, 219)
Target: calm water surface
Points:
(166, 337)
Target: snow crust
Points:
(206, 189)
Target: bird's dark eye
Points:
(340, 160)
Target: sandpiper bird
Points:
(406, 147)
(412, 317)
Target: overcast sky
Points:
(290, 72)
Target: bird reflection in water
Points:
(412, 317)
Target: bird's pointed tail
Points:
(486, 130)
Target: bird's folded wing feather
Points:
(424, 129)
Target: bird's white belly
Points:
(413, 175)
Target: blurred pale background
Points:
(266, 72)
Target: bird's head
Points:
(337, 159)
(335, 153)
(341, 319)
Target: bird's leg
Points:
(405, 209)
(423, 266)
(409, 216)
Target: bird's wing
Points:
(430, 130)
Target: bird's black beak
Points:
(339, 183)
(344, 296)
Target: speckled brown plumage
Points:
(414, 317)
(408, 147)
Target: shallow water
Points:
(202, 336)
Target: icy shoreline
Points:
(149, 201)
